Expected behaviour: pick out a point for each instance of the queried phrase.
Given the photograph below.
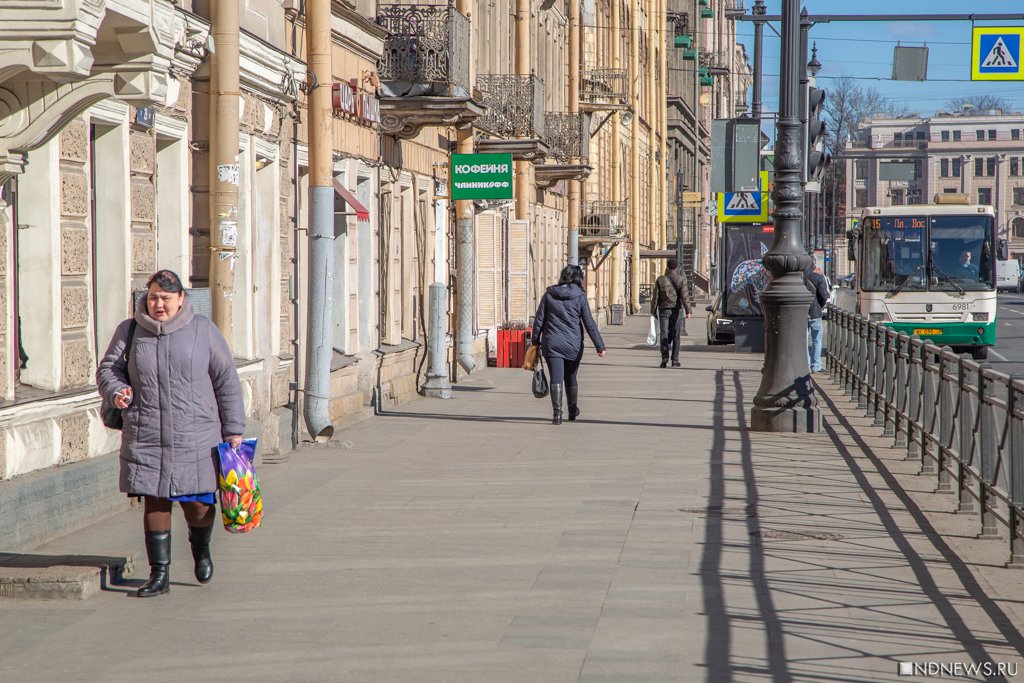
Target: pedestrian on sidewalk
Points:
(171, 373)
(815, 281)
(558, 329)
(667, 305)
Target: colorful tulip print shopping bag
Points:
(241, 502)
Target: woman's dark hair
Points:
(166, 280)
(571, 275)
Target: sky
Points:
(864, 50)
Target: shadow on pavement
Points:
(545, 417)
(718, 651)
(953, 620)
(112, 569)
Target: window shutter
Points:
(518, 270)
(488, 253)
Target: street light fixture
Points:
(814, 66)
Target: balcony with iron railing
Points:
(515, 119)
(568, 139)
(603, 89)
(424, 68)
(604, 221)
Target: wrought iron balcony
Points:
(515, 105)
(605, 221)
(603, 89)
(424, 69)
(568, 135)
(426, 51)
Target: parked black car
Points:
(720, 328)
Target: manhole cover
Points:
(748, 510)
(780, 535)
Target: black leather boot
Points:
(158, 549)
(572, 395)
(556, 404)
(199, 538)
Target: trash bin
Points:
(616, 313)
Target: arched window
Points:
(1018, 228)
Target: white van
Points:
(1008, 275)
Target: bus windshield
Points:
(894, 253)
(961, 253)
(937, 253)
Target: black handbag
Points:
(109, 413)
(540, 380)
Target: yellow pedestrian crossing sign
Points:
(995, 53)
(744, 207)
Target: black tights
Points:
(562, 371)
(157, 515)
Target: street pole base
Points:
(794, 420)
(437, 387)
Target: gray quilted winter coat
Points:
(187, 398)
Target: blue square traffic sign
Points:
(999, 53)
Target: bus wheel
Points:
(979, 352)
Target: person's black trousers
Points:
(668, 320)
(562, 371)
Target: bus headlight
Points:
(980, 317)
(878, 317)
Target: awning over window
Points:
(362, 213)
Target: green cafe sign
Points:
(481, 176)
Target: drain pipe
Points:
(465, 285)
(319, 330)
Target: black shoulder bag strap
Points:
(128, 345)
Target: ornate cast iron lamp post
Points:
(785, 401)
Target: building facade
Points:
(708, 77)
(106, 140)
(977, 153)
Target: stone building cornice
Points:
(59, 57)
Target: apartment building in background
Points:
(973, 152)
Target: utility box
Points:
(616, 314)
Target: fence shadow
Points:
(970, 641)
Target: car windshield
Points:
(894, 255)
(961, 253)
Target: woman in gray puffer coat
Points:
(173, 376)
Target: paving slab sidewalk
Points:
(656, 539)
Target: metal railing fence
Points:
(961, 419)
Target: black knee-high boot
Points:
(556, 404)
(199, 538)
(158, 549)
(572, 394)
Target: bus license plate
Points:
(928, 331)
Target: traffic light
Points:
(817, 158)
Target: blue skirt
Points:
(208, 498)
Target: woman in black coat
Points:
(558, 329)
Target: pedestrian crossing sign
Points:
(996, 53)
(744, 207)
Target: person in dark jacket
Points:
(180, 396)
(558, 329)
(667, 305)
(815, 281)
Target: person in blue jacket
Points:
(558, 329)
